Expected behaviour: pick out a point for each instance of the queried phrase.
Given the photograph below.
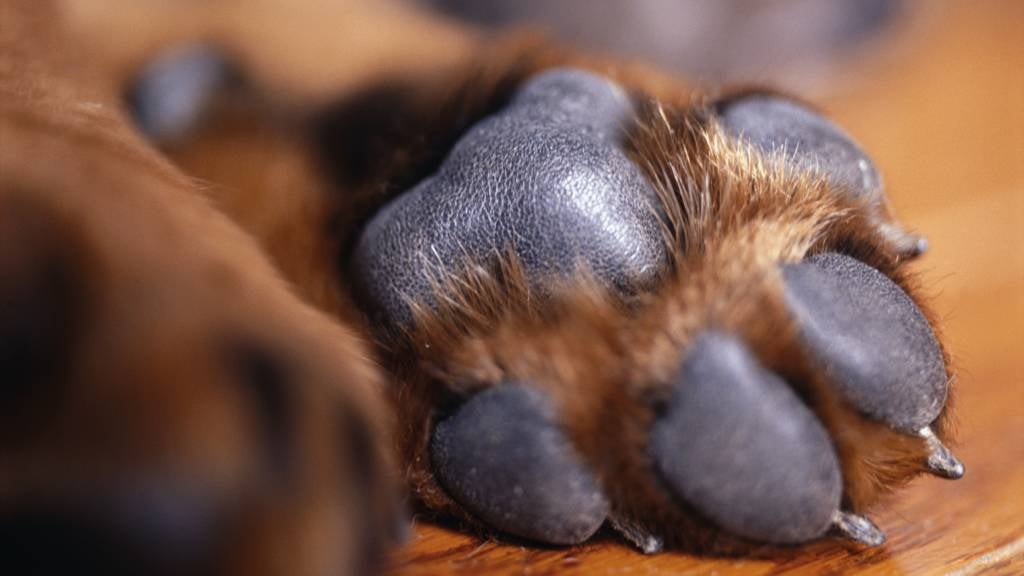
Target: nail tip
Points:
(941, 462)
(922, 245)
(949, 470)
(652, 546)
(858, 529)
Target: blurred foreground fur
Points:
(170, 405)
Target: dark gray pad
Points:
(741, 448)
(876, 345)
(775, 124)
(503, 458)
(171, 94)
(809, 141)
(546, 176)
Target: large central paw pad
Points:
(766, 387)
(546, 178)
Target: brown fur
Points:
(162, 290)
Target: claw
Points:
(637, 535)
(941, 461)
(920, 245)
(857, 528)
(907, 244)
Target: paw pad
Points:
(545, 177)
(740, 447)
(871, 338)
(778, 125)
(502, 456)
(809, 141)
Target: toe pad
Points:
(775, 124)
(875, 343)
(741, 448)
(503, 458)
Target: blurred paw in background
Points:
(793, 43)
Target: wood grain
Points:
(941, 108)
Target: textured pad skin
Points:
(741, 448)
(503, 458)
(546, 176)
(874, 341)
(775, 124)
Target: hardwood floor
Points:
(942, 112)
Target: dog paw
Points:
(169, 407)
(692, 323)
